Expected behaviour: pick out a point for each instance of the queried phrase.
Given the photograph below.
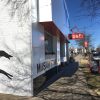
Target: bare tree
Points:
(92, 7)
(88, 38)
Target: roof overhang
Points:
(54, 30)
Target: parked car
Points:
(95, 62)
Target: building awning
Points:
(53, 29)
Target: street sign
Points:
(75, 36)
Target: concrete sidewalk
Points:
(71, 85)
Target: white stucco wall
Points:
(15, 39)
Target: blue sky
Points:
(91, 26)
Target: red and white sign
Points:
(77, 35)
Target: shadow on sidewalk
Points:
(67, 71)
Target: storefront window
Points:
(48, 43)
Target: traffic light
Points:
(85, 44)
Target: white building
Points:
(36, 41)
(51, 25)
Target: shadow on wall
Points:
(6, 55)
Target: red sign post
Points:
(85, 44)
